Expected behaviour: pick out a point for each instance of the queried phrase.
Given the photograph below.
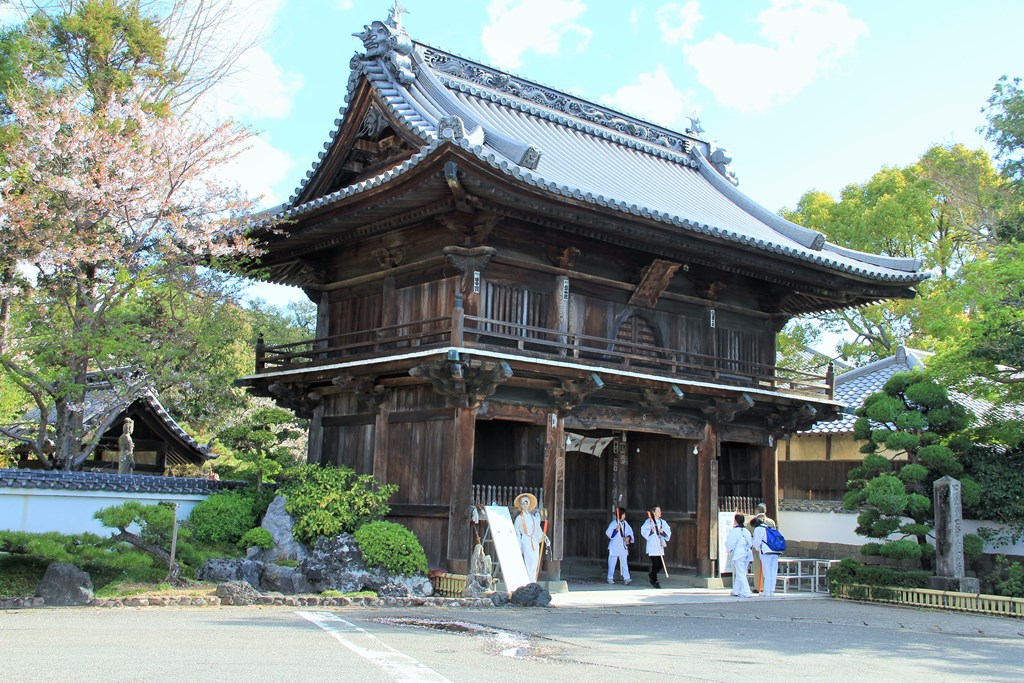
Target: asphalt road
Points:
(652, 636)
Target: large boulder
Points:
(224, 569)
(237, 593)
(337, 564)
(278, 579)
(280, 524)
(65, 584)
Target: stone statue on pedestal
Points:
(126, 448)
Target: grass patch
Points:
(19, 575)
(197, 589)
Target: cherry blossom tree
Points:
(101, 204)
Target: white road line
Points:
(397, 665)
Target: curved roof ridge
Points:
(471, 71)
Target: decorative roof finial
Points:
(395, 15)
(388, 41)
(695, 126)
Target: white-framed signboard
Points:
(726, 522)
(506, 543)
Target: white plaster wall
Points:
(71, 512)
(832, 527)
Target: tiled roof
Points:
(853, 386)
(102, 403)
(99, 481)
(576, 149)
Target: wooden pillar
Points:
(770, 481)
(707, 502)
(315, 451)
(380, 442)
(554, 491)
(461, 483)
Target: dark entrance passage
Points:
(509, 454)
(635, 471)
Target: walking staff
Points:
(657, 532)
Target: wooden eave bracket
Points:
(294, 397)
(366, 389)
(572, 393)
(465, 382)
(658, 402)
(723, 412)
(784, 423)
(654, 281)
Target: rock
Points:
(276, 578)
(499, 599)
(531, 595)
(279, 523)
(337, 564)
(237, 593)
(65, 584)
(223, 570)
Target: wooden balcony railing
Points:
(466, 331)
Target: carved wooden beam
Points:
(654, 281)
(296, 398)
(465, 383)
(389, 258)
(658, 402)
(608, 417)
(563, 257)
(784, 423)
(574, 392)
(466, 260)
(366, 389)
(723, 412)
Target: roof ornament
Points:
(721, 159)
(695, 128)
(388, 42)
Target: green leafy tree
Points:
(908, 428)
(263, 443)
(155, 525)
(940, 210)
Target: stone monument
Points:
(126, 448)
(949, 540)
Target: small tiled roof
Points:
(102, 407)
(853, 386)
(100, 481)
(580, 150)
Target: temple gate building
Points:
(521, 290)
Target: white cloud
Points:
(260, 169)
(677, 22)
(343, 5)
(653, 97)
(802, 39)
(517, 26)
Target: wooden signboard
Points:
(725, 524)
(506, 543)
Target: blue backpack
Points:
(774, 540)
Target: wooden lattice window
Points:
(638, 336)
(739, 351)
(521, 307)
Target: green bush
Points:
(974, 545)
(258, 537)
(222, 518)
(1007, 578)
(391, 546)
(327, 501)
(906, 549)
(849, 571)
(19, 575)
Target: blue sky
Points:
(805, 94)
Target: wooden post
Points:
(554, 491)
(458, 321)
(707, 502)
(380, 442)
(261, 351)
(461, 487)
(770, 481)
